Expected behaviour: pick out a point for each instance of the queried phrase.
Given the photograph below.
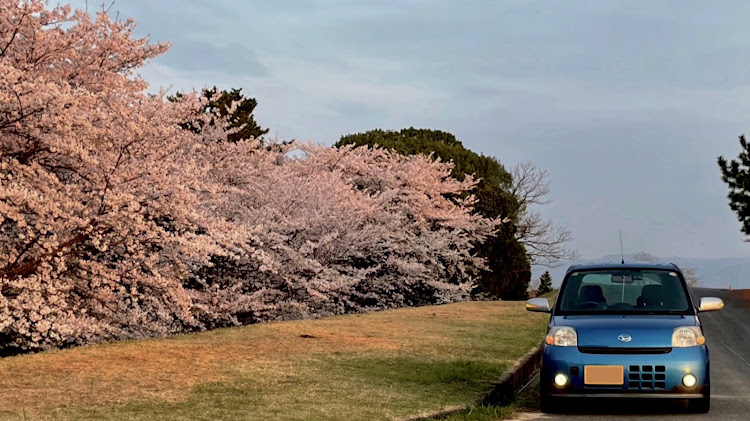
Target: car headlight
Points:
(562, 336)
(685, 336)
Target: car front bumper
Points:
(645, 375)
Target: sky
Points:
(627, 105)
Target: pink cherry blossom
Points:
(115, 223)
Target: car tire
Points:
(546, 404)
(700, 406)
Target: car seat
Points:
(591, 293)
(651, 296)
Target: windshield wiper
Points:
(668, 312)
(623, 312)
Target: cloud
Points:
(230, 58)
(627, 104)
(355, 82)
(195, 31)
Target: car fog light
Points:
(689, 380)
(561, 380)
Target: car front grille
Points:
(621, 351)
(647, 377)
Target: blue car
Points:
(625, 331)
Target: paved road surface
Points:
(728, 338)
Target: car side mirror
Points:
(710, 304)
(538, 304)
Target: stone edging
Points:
(505, 388)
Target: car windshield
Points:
(631, 291)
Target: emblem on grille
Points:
(624, 338)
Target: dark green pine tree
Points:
(736, 174)
(509, 265)
(545, 283)
(242, 115)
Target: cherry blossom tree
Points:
(343, 230)
(117, 223)
(98, 200)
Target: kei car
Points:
(625, 331)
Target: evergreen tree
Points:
(241, 116)
(509, 266)
(736, 174)
(545, 283)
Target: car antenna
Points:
(622, 254)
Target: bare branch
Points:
(544, 241)
(691, 277)
(530, 184)
(15, 33)
(690, 273)
(642, 256)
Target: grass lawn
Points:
(527, 400)
(378, 366)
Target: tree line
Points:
(129, 215)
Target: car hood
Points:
(646, 331)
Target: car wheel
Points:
(545, 403)
(548, 404)
(700, 406)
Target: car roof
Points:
(626, 265)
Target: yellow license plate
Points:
(603, 375)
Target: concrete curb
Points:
(515, 378)
(505, 388)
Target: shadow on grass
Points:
(526, 401)
(481, 413)
(422, 372)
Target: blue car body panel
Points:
(645, 330)
(658, 375)
(651, 366)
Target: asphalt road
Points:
(728, 338)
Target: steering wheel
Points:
(590, 305)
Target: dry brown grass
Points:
(165, 369)
(168, 369)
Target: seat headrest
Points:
(653, 295)
(591, 293)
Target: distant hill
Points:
(714, 273)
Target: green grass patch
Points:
(380, 366)
(527, 400)
(482, 413)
